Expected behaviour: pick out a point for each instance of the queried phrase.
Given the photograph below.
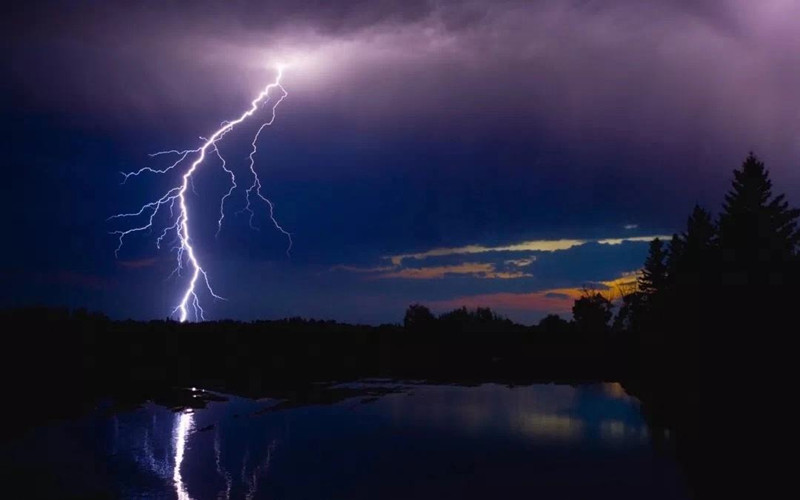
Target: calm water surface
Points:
(423, 442)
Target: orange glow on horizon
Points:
(554, 300)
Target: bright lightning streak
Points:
(183, 154)
(186, 254)
(183, 426)
(256, 186)
(233, 187)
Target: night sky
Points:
(498, 153)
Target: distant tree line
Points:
(591, 314)
(482, 319)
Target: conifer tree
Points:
(757, 229)
(675, 254)
(701, 233)
(654, 273)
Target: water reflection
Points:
(559, 427)
(252, 479)
(428, 442)
(617, 430)
(183, 426)
(543, 412)
(224, 474)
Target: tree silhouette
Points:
(757, 231)
(723, 314)
(630, 312)
(675, 251)
(706, 303)
(654, 273)
(479, 319)
(418, 317)
(457, 317)
(701, 233)
(592, 312)
(691, 257)
(553, 324)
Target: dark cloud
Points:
(336, 18)
(651, 73)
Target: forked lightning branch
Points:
(173, 200)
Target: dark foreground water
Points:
(420, 442)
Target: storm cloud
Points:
(412, 128)
(646, 71)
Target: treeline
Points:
(717, 286)
(90, 349)
(718, 300)
(711, 335)
(60, 361)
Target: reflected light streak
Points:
(184, 425)
(613, 431)
(252, 482)
(225, 475)
(551, 426)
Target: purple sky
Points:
(409, 126)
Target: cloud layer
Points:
(643, 70)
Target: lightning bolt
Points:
(256, 186)
(186, 254)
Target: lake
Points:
(378, 440)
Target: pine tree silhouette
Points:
(654, 273)
(758, 231)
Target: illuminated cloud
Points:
(653, 69)
(356, 269)
(469, 268)
(507, 275)
(474, 269)
(507, 269)
(622, 285)
(524, 246)
(521, 262)
(618, 241)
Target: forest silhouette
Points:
(704, 340)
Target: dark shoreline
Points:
(59, 364)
